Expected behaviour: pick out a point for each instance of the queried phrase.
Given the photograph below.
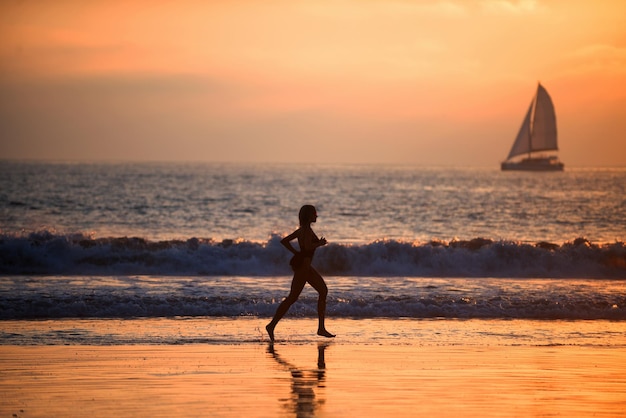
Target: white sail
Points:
(538, 130)
(543, 136)
(522, 142)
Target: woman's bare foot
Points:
(324, 333)
(270, 332)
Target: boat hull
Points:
(534, 164)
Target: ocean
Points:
(111, 241)
(144, 290)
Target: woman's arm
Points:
(310, 241)
(287, 241)
(319, 242)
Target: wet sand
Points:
(313, 377)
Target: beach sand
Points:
(312, 376)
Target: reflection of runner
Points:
(303, 271)
(304, 382)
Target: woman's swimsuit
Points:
(298, 258)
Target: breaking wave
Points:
(47, 253)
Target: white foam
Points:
(48, 253)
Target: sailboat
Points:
(537, 134)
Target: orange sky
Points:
(429, 82)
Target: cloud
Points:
(384, 9)
(597, 58)
(501, 7)
(433, 9)
(601, 51)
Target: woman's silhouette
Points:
(303, 271)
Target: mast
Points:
(532, 122)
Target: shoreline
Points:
(406, 331)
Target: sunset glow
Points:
(367, 81)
